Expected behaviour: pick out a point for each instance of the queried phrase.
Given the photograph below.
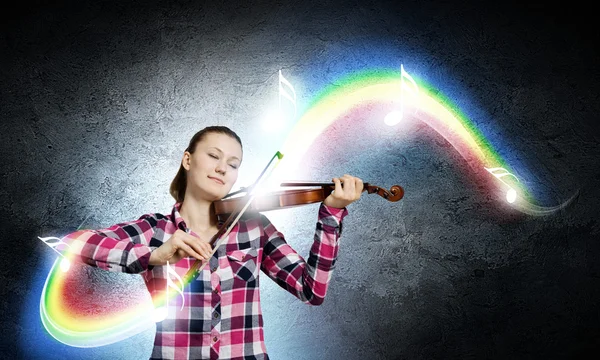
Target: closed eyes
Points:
(216, 157)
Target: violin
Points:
(296, 197)
(231, 208)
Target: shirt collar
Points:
(178, 220)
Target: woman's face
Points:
(213, 167)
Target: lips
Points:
(217, 180)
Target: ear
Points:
(185, 161)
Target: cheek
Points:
(195, 174)
(232, 176)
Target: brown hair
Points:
(179, 183)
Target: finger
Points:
(197, 245)
(180, 232)
(190, 251)
(338, 191)
(207, 250)
(349, 186)
(190, 244)
(359, 187)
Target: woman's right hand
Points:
(180, 245)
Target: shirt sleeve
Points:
(306, 279)
(122, 247)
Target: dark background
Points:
(99, 99)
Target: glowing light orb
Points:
(393, 118)
(65, 265)
(159, 314)
(511, 196)
(274, 121)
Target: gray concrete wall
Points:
(99, 100)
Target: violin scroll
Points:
(395, 193)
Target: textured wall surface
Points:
(99, 100)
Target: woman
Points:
(221, 316)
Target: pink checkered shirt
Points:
(221, 317)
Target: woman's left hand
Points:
(347, 190)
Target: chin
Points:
(211, 192)
(214, 195)
(218, 194)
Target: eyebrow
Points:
(221, 151)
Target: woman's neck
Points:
(198, 214)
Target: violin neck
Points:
(312, 184)
(307, 183)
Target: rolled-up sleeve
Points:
(122, 247)
(308, 279)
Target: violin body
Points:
(272, 201)
(291, 198)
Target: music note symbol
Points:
(54, 243)
(275, 119)
(162, 312)
(170, 283)
(499, 173)
(283, 92)
(395, 117)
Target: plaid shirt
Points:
(221, 316)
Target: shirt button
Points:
(216, 315)
(214, 269)
(215, 339)
(216, 291)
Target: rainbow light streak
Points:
(430, 107)
(70, 327)
(380, 86)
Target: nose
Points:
(221, 167)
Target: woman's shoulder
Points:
(154, 218)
